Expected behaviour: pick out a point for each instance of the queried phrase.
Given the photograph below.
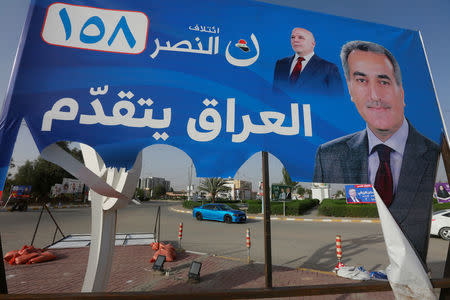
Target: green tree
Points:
(213, 186)
(159, 191)
(139, 194)
(42, 175)
(287, 178)
(301, 190)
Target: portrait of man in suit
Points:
(389, 153)
(353, 198)
(305, 71)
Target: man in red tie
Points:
(305, 72)
(390, 153)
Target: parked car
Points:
(440, 224)
(219, 212)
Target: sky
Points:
(432, 20)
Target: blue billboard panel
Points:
(359, 193)
(123, 75)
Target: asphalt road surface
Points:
(294, 243)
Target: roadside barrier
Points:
(180, 234)
(248, 244)
(338, 252)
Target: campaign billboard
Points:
(21, 191)
(326, 95)
(120, 76)
(281, 192)
(442, 192)
(359, 193)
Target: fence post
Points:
(248, 244)
(180, 234)
(338, 252)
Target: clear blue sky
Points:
(432, 19)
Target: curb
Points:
(322, 220)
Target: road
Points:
(294, 243)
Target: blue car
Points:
(219, 212)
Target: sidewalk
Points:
(132, 271)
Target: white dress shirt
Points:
(304, 63)
(354, 199)
(397, 142)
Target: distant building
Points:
(239, 189)
(190, 191)
(320, 191)
(149, 183)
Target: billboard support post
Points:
(267, 234)
(3, 285)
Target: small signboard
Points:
(22, 191)
(71, 186)
(359, 193)
(281, 192)
(442, 192)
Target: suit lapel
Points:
(413, 167)
(286, 68)
(308, 72)
(356, 163)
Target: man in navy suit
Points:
(390, 153)
(306, 72)
(352, 198)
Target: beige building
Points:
(239, 190)
(149, 183)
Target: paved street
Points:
(294, 244)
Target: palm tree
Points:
(287, 178)
(213, 186)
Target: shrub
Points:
(440, 206)
(191, 204)
(293, 208)
(340, 208)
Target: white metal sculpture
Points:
(111, 189)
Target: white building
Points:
(239, 189)
(320, 191)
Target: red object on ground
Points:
(27, 249)
(22, 259)
(339, 265)
(154, 246)
(28, 254)
(164, 249)
(10, 255)
(11, 261)
(45, 256)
